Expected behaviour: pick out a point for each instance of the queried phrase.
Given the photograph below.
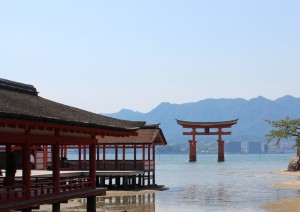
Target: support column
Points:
(79, 155)
(193, 147)
(102, 181)
(92, 162)
(8, 166)
(110, 181)
(56, 207)
(140, 180)
(98, 156)
(134, 181)
(65, 151)
(144, 157)
(118, 181)
(61, 151)
(91, 200)
(45, 157)
(124, 157)
(56, 172)
(56, 167)
(116, 157)
(26, 170)
(97, 181)
(149, 165)
(104, 156)
(149, 178)
(134, 157)
(84, 157)
(91, 204)
(125, 181)
(221, 157)
(153, 157)
(193, 151)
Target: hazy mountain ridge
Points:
(251, 114)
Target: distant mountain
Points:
(251, 114)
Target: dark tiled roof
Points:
(145, 136)
(16, 104)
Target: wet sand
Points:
(288, 204)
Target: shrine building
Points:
(51, 153)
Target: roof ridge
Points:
(18, 87)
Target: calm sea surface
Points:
(241, 183)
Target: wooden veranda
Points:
(132, 156)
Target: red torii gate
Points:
(207, 126)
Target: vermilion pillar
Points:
(26, 169)
(193, 147)
(92, 162)
(134, 157)
(116, 157)
(221, 151)
(91, 200)
(124, 157)
(56, 167)
(220, 147)
(193, 151)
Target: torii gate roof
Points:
(220, 124)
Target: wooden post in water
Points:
(193, 151)
(221, 157)
(91, 204)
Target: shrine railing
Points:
(43, 187)
(111, 165)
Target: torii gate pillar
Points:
(221, 157)
(193, 151)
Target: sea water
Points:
(244, 182)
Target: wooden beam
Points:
(43, 139)
(203, 133)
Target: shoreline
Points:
(292, 204)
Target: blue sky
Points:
(103, 56)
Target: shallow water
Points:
(241, 183)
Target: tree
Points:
(285, 128)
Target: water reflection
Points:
(142, 203)
(210, 194)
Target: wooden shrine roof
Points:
(190, 124)
(21, 102)
(149, 134)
